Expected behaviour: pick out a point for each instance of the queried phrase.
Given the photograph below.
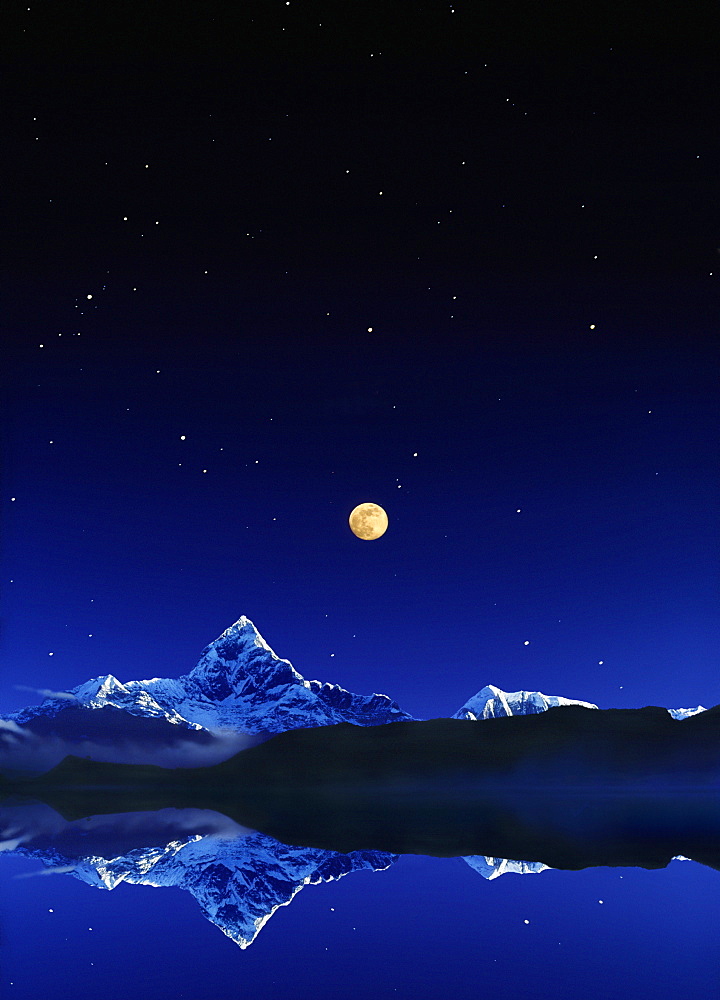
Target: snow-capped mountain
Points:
(238, 683)
(239, 883)
(491, 868)
(491, 702)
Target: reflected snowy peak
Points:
(117, 809)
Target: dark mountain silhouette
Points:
(570, 787)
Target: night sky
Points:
(263, 262)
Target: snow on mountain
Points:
(239, 683)
(491, 702)
(685, 713)
(239, 883)
(491, 868)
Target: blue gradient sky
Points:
(196, 235)
(123, 560)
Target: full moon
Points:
(368, 521)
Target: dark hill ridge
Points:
(571, 787)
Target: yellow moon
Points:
(368, 521)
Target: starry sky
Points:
(265, 261)
(264, 265)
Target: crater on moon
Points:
(368, 521)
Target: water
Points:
(424, 927)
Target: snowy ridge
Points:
(239, 884)
(491, 868)
(491, 702)
(240, 683)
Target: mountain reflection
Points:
(238, 877)
(242, 781)
(567, 788)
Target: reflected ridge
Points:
(262, 782)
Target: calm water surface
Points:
(422, 928)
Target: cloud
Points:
(46, 692)
(60, 870)
(11, 727)
(123, 741)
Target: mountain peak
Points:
(491, 702)
(240, 683)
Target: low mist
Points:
(112, 736)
